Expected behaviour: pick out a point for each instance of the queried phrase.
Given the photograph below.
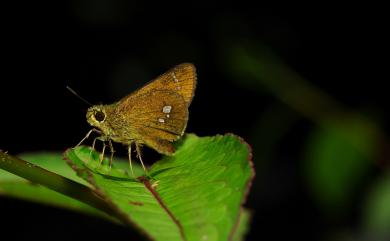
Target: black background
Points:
(105, 49)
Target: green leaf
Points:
(337, 161)
(197, 194)
(53, 162)
(29, 181)
(17, 187)
(37, 193)
(242, 226)
(377, 210)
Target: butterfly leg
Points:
(87, 135)
(94, 142)
(93, 147)
(111, 150)
(131, 166)
(102, 154)
(138, 149)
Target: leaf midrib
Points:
(149, 187)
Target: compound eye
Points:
(99, 116)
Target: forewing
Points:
(161, 114)
(180, 79)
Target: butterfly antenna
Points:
(81, 98)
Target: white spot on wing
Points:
(167, 109)
(161, 120)
(174, 77)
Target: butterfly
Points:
(155, 115)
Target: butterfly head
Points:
(96, 116)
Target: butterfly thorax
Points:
(97, 116)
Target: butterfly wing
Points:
(155, 118)
(180, 79)
(157, 114)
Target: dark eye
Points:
(100, 116)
